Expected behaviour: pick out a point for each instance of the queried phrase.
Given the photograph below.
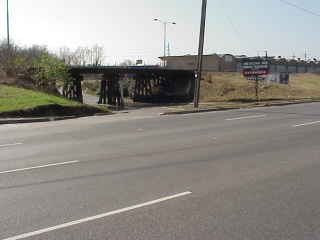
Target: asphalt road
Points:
(243, 174)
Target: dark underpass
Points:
(149, 84)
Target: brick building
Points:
(211, 63)
(232, 63)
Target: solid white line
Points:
(306, 124)
(11, 144)
(247, 117)
(103, 215)
(37, 167)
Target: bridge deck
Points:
(130, 69)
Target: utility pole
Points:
(200, 53)
(305, 55)
(8, 25)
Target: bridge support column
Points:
(73, 89)
(112, 90)
(103, 92)
(78, 82)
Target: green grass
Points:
(19, 102)
(234, 87)
(13, 98)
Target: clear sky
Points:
(127, 31)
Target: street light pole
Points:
(165, 24)
(200, 53)
(8, 25)
(164, 38)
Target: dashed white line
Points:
(306, 124)
(10, 145)
(103, 215)
(38, 167)
(246, 117)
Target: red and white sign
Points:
(255, 67)
(249, 73)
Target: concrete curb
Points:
(197, 111)
(234, 108)
(34, 120)
(44, 119)
(290, 103)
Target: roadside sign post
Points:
(256, 69)
(257, 88)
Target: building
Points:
(211, 63)
(233, 63)
(283, 65)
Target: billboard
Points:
(254, 67)
(258, 69)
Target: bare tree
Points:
(87, 56)
(79, 56)
(84, 56)
(98, 55)
(7, 57)
(127, 62)
(66, 55)
(18, 60)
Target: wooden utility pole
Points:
(8, 25)
(200, 53)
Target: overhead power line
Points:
(301, 8)
(233, 27)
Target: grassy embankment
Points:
(230, 87)
(19, 102)
(220, 91)
(234, 87)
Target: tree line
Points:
(45, 69)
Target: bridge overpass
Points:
(151, 83)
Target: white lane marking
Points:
(306, 124)
(103, 215)
(10, 145)
(246, 117)
(37, 167)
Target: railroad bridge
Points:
(150, 84)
